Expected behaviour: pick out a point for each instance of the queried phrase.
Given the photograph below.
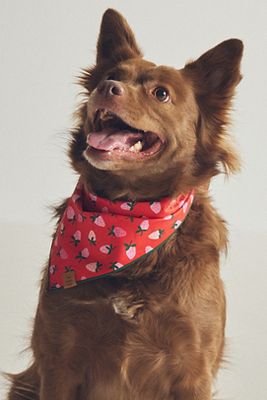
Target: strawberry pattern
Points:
(76, 238)
(143, 227)
(93, 267)
(156, 234)
(130, 250)
(117, 231)
(97, 237)
(155, 206)
(70, 214)
(106, 249)
(92, 237)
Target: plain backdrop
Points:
(43, 46)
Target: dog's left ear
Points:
(217, 72)
(214, 77)
(116, 40)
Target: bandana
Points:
(97, 237)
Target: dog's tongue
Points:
(108, 139)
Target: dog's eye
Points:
(161, 94)
(110, 77)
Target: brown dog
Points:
(154, 331)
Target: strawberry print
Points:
(52, 269)
(97, 241)
(183, 204)
(76, 238)
(98, 220)
(168, 217)
(62, 229)
(55, 286)
(117, 231)
(177, 224)
(81, 218)
(62, 254)
(148, 249)
(181, 201)
(71, 214)
(93, 266)
(129, 205)
(155, 206)
(143, 227)
(116, 265)
(93, 197)
(156, 234)
(92, 237)
(83, 254)
(130, 250)
(75, 197)
(172, 206)
(107, 248)
(185, 207)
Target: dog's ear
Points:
(214, 76)
(217, 72)
(116, 40)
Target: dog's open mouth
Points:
(113, 137)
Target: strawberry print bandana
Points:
(97, 237)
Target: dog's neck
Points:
(115, 186)
(147, 192)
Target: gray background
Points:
(43, 46)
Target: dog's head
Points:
(147, 131)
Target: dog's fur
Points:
(155, 331)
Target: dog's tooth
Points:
(137, 147)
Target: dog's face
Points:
(141, 118)
(144, 125)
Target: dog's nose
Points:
(111, 88)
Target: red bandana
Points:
(97, 237)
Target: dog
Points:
(131, 303)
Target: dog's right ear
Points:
(116, 40)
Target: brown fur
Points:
(156, 331)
